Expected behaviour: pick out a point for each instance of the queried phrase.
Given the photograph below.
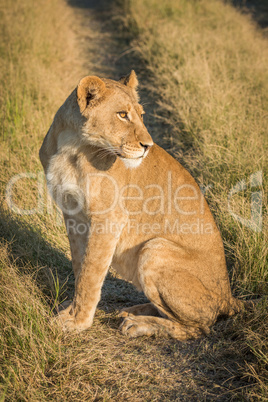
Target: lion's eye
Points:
(123, 115)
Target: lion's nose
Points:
(145, 146)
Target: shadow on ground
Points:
(34, 255)
(258, 9)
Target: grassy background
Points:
(207, 67)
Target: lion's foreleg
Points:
(95, 263)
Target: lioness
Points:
(127, 203)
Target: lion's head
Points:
(114, 118)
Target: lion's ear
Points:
(130, 80)
(89, 90)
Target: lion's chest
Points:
(66, 186)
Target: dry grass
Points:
(39, 66)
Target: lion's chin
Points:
(132, 163)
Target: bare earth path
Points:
(141, 369)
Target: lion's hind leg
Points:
(186, 306)
(147, 309)
(135, 326)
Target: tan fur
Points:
(126, 195)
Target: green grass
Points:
(207, 64)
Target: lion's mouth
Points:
(130, 157)
(130, 160)
(123, 154)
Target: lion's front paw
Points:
(69, 322)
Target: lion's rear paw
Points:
(124, 313)
(135, 326)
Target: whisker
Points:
(102, 152)
(105, 152)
